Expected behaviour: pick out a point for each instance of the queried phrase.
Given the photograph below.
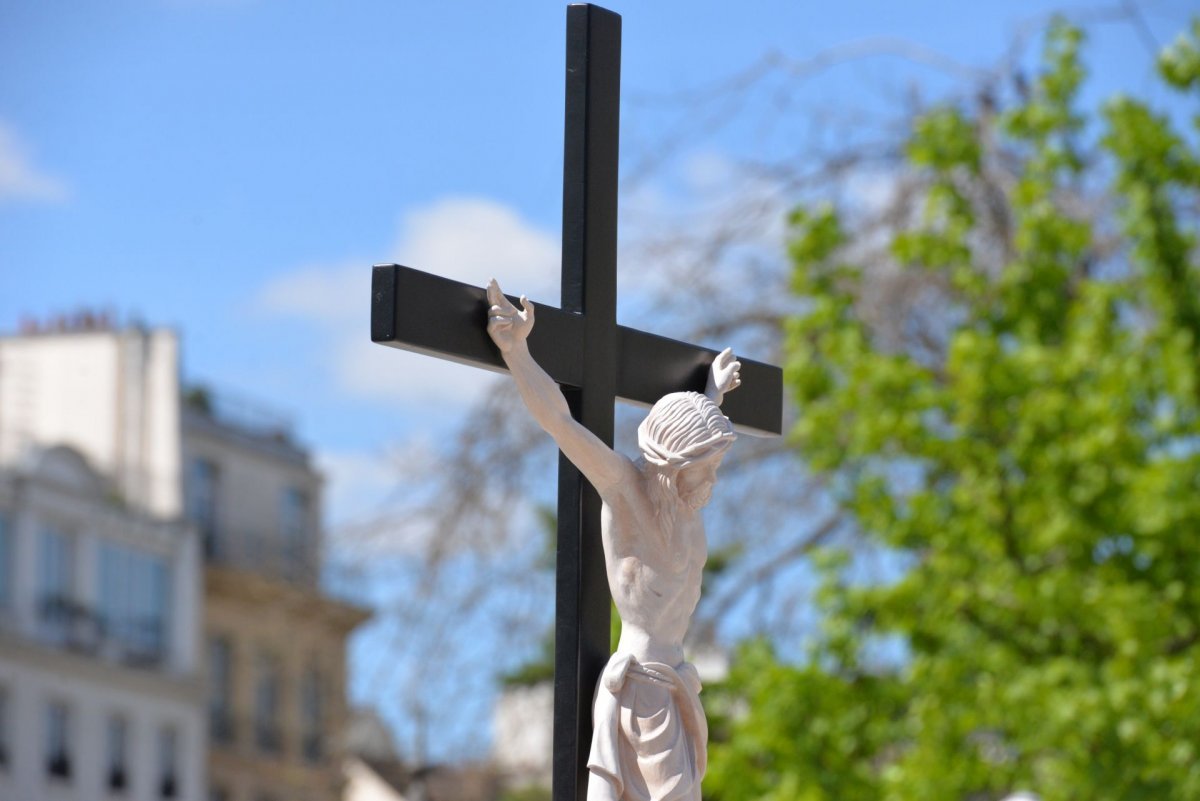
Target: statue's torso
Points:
(654, 573)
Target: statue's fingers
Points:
(527, 305)
(497, 298)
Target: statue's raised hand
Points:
(723, 376)
(507, 325)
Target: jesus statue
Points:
(650, 737)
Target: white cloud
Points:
(19, 179)
(367, 370)
(475, 239)
(467, 239)
(325, 294)
(871, 190)
(707, 171)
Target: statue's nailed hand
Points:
(723, 376)
(506, 324)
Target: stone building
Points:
(275, 644)
(101, 691)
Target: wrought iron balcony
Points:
(66, 622)
(265, 553)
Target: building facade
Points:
(100, 689)
(275, 644)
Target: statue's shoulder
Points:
(634, 492)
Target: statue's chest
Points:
(679, 551)
(671, 553)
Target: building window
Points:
(5, 712)
(135, 602)
(312, 714)
(266, 705)
(58, 740)
(59, 614)
(118, 753)
(220, 682)
(294, 532)
(6, 552)
(168, 762)
(202, 489)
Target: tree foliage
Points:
(1025, 439)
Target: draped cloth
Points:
(650, 739)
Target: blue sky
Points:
(233, 168)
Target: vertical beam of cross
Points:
(589, 287)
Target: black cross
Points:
(593, 359)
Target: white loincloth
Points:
(650, 739)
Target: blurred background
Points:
(247, 555)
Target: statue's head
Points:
(683, 439)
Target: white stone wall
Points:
(34, 679)
(112, 395)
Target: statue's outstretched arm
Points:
(723, 376)
(509, 329)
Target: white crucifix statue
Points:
(650, 735)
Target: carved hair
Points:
(682, 428)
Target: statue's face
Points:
(695, 482)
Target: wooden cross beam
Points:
(581, 347)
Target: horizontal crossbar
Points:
(418, 311)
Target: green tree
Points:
(1026, 437)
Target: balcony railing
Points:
(264, 553)
(65, 621)
(134, 641)
(141, 641)
(247, 415)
